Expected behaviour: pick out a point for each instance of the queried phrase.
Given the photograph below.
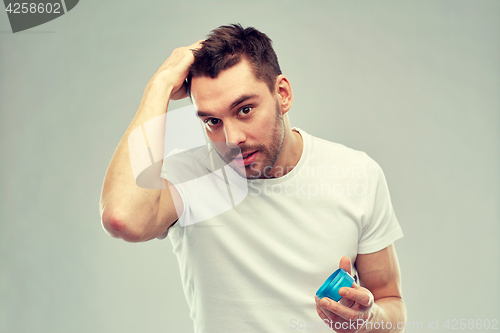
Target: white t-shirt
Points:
(256, 267)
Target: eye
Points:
(244, 111)
(212, 122)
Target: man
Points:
(310, 203)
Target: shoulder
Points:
(335, 153)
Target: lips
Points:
(247, 154)
(243, 155)
(247, 158)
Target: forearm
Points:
(122, 201)
(388, 315)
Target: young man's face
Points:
(239, 110)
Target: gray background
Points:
(415, 84)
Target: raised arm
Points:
(128, 211)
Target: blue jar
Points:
(331, 286)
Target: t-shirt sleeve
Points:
(173, 166)
(380, 227)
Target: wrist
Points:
(387, 315)
(159, 90)
(160, 82)
(373, 316)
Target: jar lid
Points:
(331, 286)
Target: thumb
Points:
(345, 264)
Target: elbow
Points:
(119, 227)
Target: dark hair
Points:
(225, 47)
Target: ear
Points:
(284, 93)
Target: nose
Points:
(234, 134)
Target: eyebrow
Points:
(238, 101)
